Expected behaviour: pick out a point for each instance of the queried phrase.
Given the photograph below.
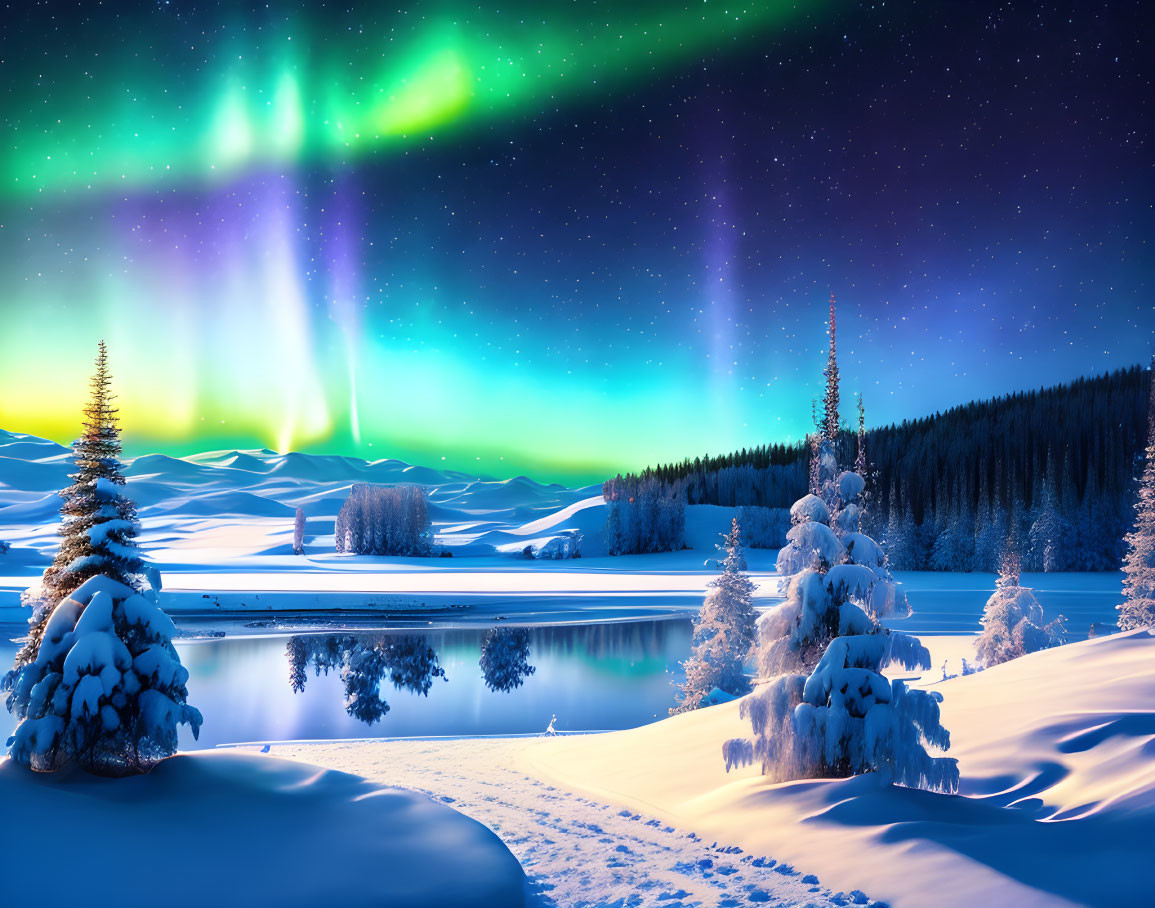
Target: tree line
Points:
(1054, 469)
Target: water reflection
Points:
(363, 661)
(505, 658)
(591, 676)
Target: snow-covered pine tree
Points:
(830, 400)
(106, 689)
(862, 468)
(827, 708)
(99, 683)
(829, 581)
(1049, 533)
(1012, 620)
(299, 532)
(98, 523)
(1138, 606)
(846, 717)
(724, 631)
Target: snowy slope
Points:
(224, 506)
(236, 830)
(1057, 756)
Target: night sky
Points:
(562, 239)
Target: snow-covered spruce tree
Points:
(833, 586)
(845, 717)
(99, 683)
(98, 523)
(1138, 606)
(1012, 620)
(830, 400)
(106, 689)
(504, 658)
(644, 515)
(724, 631)
(299, 532)
(1049, 534)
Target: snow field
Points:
(577, 850)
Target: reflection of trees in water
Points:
(505, 658)
(363, 661)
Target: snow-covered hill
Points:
(236, 504)
(219, 526)
(1056, 752)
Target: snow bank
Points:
(229, 829)
(1057, 796)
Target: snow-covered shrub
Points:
(763, 528)
(106, 689)
(724, 631)
(644, 515)
(505, 658)
(566, 545)
(380, 520)
(1012, 620)
(363, 661)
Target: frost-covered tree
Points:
(1048, 537)
(830, 400)
(827, 709)
(98, 684)
(98, 522)
(1012, 620)
(644, 515)
(299, 532)
(504, 658)
(764, 528)
(106, 688)
(379, 520)
(1138, 606)
(833, 585)
(847, 718)
(724, 631)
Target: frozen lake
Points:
(410, 679)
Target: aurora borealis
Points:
(561, 239)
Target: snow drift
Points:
(229, 829)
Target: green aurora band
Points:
(285, 101)
(227, 332)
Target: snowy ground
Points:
(1057, 750)
(578, 851)
(1057, 805)
(234, 831)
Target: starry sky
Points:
(562, 239)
